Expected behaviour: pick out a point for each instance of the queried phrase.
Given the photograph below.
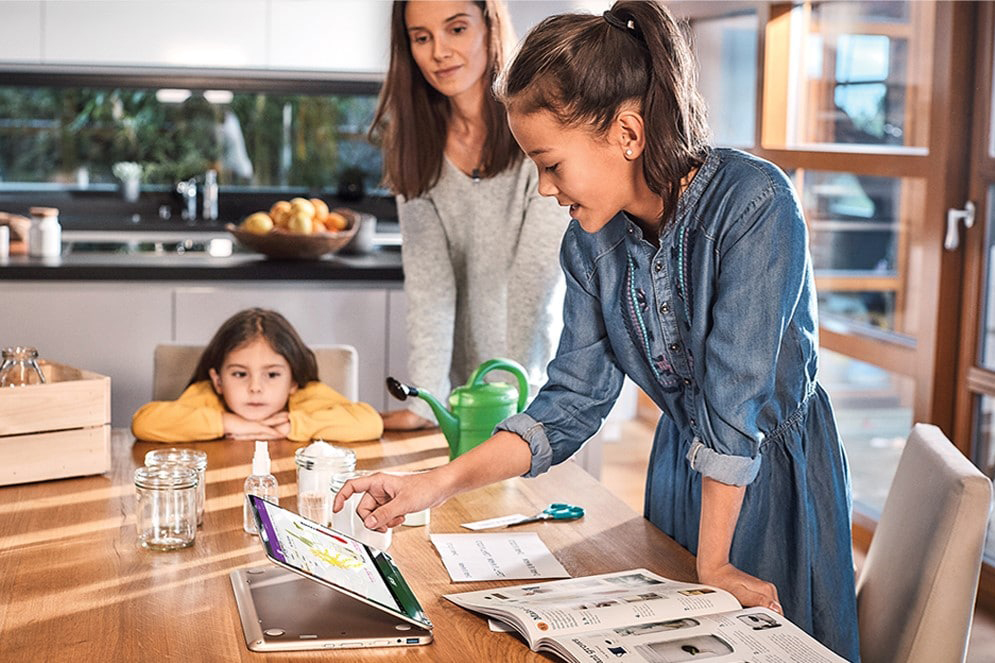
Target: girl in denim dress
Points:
(688, 270)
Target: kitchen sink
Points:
(138, 242)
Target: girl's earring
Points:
(628, 153)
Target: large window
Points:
(850, 105)
(856, 74)
(71, 134)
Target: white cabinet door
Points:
(397, 341)
(108, 328)
(21, 38)
(219, 33)
(345, 35)
(322, 316)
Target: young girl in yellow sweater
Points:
(257, 380)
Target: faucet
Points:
(210, 206)
(188, 189)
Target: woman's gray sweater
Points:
(482, 277)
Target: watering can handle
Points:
(509, 365)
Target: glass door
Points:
(975, 410)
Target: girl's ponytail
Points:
(677, 131)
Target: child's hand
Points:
(280, 422)
(242, 429)
(750, 591)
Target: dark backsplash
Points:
(107, 210)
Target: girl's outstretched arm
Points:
(720, 506)
(389, 497)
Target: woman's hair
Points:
(248, 325)
(412, 117)
(584, 68)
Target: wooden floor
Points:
(624, 473)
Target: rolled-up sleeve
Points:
(729, 469)
(584, 378)
(532, 432)
(763, 272)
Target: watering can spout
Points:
(447, 422)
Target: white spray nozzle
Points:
(260, 461)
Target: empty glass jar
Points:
(192, 458)
(20, 367)
(166, 506)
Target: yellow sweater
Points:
(316, 411)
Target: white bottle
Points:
(210, 212)
(45, 233)
(260, 483)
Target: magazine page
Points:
(624, 598)
(754, 635)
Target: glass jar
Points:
(20, 367)
(192, 458)
(165, 506)
(348, 521)
(317, 465)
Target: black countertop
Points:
(382, 265)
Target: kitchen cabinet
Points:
(343, 36)
(112, 327)
(108, 328)
(397, 340)
(349, 35)
(21, 40)
(220, 33)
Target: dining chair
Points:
(916, 590)
(174, 363)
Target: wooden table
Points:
(75, 586)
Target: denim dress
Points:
(718, 326)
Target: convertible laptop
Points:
(328, 592)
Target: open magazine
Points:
(640, 616)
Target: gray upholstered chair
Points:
(173, 364)
(916, 591)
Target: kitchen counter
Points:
(383, 265)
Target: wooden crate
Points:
(58, 429)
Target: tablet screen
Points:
(306, 546)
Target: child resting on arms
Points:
(257, 380)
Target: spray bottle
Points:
(260, 483)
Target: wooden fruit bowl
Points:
(282, 245)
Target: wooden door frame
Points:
(972, 380)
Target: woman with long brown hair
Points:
(479, 245)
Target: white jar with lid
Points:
(317, 465)
(45, 234)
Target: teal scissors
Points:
(555, 511)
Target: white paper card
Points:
(499, 627)
(500, 521)
(519, 556)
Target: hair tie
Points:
(627, 26)
(616, 22)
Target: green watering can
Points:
(476, 407)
